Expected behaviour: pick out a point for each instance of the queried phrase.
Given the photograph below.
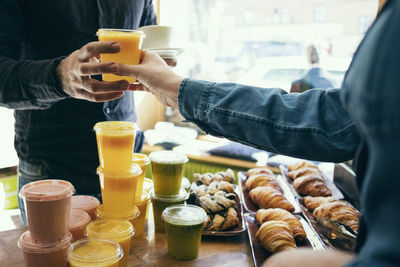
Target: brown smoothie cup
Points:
(85, 203)
(77, 223)
(48, 204)
(37, 254)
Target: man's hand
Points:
(75, 70)
(302, 257)
(155, 76)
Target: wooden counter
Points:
(151, 250)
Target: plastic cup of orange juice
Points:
(118, 188)
(143, 161)
(94, 252)
(115, 143)
(118, 230)
(140, 221)
(130, 42)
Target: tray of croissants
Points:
(283, 213)
(217, 194)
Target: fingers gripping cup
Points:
(115, 143)
(167, 168)
(118, 230)
(130, 42)
(95, 252)
(184, 226)
(118, 188)
(48, 204)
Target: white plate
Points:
(167, 52)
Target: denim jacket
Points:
(360, 121)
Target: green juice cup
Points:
(184, 225)
(167, 168)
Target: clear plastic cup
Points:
(143, 161)
(115, 143)
(48, 204)
(78, 221)
(115, 229)
(95, 252)
(184, 226)
(160, 203)
(118, 188)
(38, 254)
(88, 204)
(167, 170)
(130, 42)
(140, 221)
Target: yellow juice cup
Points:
(167, 169)
(140, 221)
(115, 143)
(95, 252)
(130, 42)
(118, 188)
(119, 230)
(184, 227)
(143, 161)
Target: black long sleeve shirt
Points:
(52, 129)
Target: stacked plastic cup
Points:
(47, 204)
(167, 169)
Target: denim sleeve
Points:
(24, 84)
(311, 125)
(148, 17)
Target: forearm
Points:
(29, 84)
(311, 125)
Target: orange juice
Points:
(140, 221)
(118, 188)
(115, 143)
(142, 160)
(130, 42)
(118, 230)
(95, 252)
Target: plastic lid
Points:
(168, 157)
(84, 202)
(115, 127)
(78, 219)
(26, 243)
(110, 228)
(95, 252)
(185, 183)
(135, 170)
(119, 31)
(47, 190)
(147, 185)
(130, 215)
(141, 159)
(183, 195)
(145, 197)
(184, 215)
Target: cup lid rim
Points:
(85, 202)
(26, 243)
(104, 30)
(66, 190)
(115, 257)
(197, 220)
(129, 230)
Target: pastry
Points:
(304, 171)
(311, 185)
(277, 214)
(340, 211)
(275, 236)
(314, 202)
(259, 170)
(266, 197)
(262, 179)
(301, 164)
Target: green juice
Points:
(167, 177)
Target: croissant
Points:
(275, 236)
(311, 185)
(314, 202)
(259, 170)
(266, 197)
(340, 211)
(262, 179)
(277, 214)
(301, 164)
(304, 171)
